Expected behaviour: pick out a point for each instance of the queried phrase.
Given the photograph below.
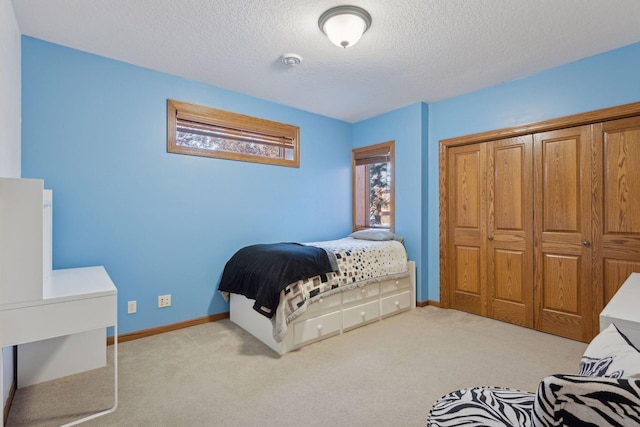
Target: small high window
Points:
(373, 186)
(203, 131)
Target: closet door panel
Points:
(563, 285)
(616, 205)
(621, 179)
(563, 272)
(510, 230)
(467, 272)
(467, 210)
(509, 286)
(560, 185)
(615, 273)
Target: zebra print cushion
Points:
(570, 400)
(483, 406)
(561, 400)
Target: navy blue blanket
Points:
(261, 272)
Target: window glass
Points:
(373, 187)
(203, 131)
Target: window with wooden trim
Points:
(203, 131)
(373, 186)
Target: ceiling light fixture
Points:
(344, 25)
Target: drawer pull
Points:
(321, 300)
(362, 313)
(397, 303)
(319, 328)
(397, 282)
(363, 291)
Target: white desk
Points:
(624, 310)
(75, 301)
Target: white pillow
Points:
(610, 354)
(376, 234)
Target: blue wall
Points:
(404, 126)
(95, 130)
(601, 81)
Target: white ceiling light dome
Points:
(344, 25)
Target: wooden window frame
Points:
(373, 152)
(233, 127)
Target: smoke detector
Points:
(291, 59)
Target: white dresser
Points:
(57, 318)
(624, 310)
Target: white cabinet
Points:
(57, 318)
(25, 239)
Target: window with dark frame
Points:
(373, 186)
(202, 131)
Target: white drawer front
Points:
(324, 303)
(394, 285)
(395, 303)
(360, 294)
(64, 318)
(361, 314)
(317, 327)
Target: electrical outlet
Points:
(164, 301)
(131, 307)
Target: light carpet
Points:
(387, 373)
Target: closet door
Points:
(510, 230)
(616, 205)
(467, 228)
(562, 218)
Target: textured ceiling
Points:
(415, 50)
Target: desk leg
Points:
(2, 388)
(115, 377)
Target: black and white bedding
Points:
(261, 271)
(352, 263)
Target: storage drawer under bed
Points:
(395, 303)
(317, 327)
(390, 286)
(359, 294)
(361, 314)
(325, 304)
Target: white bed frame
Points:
(332, 315)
